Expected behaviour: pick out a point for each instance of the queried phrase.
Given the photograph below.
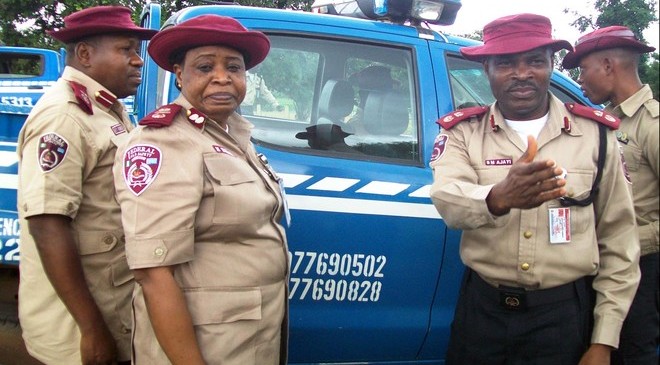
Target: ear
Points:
(83, 53)
(177, 72)
(608, 65)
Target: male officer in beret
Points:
(608, 59)
(75, 285)
(539, 190)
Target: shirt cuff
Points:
(166, 249)
(606, 331)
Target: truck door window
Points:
(17, 65)
(469, 83)
(336, 98)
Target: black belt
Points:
(519, 298)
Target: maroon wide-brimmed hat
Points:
(99, 20)
(615, 36)
(515, 34)
(208, 30)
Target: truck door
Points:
(365, 242)
(145, 99)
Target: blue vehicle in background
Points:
(375, 271)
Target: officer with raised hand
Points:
(608, 60)
(540, 192)
(75, 286)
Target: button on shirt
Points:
(514, 249)
(639, 139)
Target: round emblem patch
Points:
(439, 146)
(141, 166)
(52, 151)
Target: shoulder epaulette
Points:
(161, 117)
(597, 115)
(449, 120)
(80, 92)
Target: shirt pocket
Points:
(632, 157)
(488, 175)
(578, 186)
(233, 182)
(223, 305)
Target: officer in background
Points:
(541, 212)
(257, 92)
(608, 60)
(75, 285)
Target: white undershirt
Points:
(527, 127)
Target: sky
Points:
(474, 14)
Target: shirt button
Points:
(570, 193)
(525, 266)
(109, 239)
(159, 251)
(527, 234)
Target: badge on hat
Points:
(141, 166)
(52, 151)
(439, 146)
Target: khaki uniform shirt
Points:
(208, 205)
(65, 168)
(515, 249)
(638, 136)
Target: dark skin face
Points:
(113, 61)
(213, 80)
(520, 83)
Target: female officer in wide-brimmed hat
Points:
(202, 210)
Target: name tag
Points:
(560, 225)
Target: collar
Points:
(559, 119)
(89, 89)
(195, 117)
(239, 127)
(631, 105)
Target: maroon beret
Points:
(208, 30)
(609, 37)
(99, 20)
(515, 34)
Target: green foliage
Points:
(634, 14)
(24, 22)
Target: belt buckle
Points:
(514, 299)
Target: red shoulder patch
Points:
(80, 92)
(161, 117)
(449, 120)
(597, 115)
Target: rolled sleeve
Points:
(159, 222)
(172, 249)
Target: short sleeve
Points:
(52, 152)
(159, 179)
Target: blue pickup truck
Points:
(374, 270)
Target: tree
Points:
(634, 14)
(24, 22)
